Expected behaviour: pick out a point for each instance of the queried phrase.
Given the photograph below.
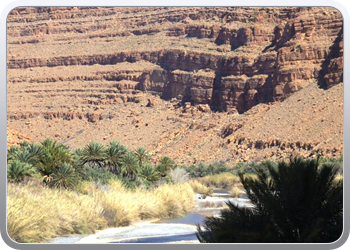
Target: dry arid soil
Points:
(193, 83)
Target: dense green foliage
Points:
(296, 202)
(61, 168)
(93, 154)
(251, 167)
(101, 163)
(98, 175)
(149, 173)
(299, 201)
(52, 156)
(64, 177)
(17, 170)
(53, 191)
(202, 170)
(165, 165)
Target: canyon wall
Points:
(150, 76)
(281, 52)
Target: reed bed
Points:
(200, 188)
(223, 180)
(176, 199)
(38, 214)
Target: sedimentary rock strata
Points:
(83, 64)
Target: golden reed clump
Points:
(37, 214)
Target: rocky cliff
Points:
(271, 52)
(81, 63)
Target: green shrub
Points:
(298, 48)
(53, 155)
(202, 169)
(149, 173)
(17, 170)
(250, 168)
(64, 177)
(100, 175)
(301, 202)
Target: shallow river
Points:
(178, 230)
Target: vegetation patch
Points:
(298, 202)
(53, 191)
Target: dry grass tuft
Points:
(223, 180)
(175, 199)
(200, 188)
(235, 192)
(37, 214)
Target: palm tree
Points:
(53, 155)
(35, 149)
(295, 202)
(12, 153)
(130, 165)
(115, 153)
(93, 154)
(24, 156)
(28, 153)
(142, 156)
(164, 166)
(148, 173)
(76, 162)
(167, 162)
(17, 170)
(24, 144)
(64, 177)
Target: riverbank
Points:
(37, 214)
(139, 232)
(176, 230)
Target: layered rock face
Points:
(252, 55)
(81, 63)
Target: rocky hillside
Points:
(15, 138)
(197, 84)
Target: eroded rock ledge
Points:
(281, 51)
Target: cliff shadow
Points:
(333, 53)
(279, 42)
(216, 104)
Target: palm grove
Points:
(295, 201)
(63, 169)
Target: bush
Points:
(174, 204)
(178, 175)
(301, 202)
(97, 175)
(148, 173)
(337, 162)
(204, 170)
(17, 170)
(64, 177)
(200, 188)
(250, 168)
(121, 206)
